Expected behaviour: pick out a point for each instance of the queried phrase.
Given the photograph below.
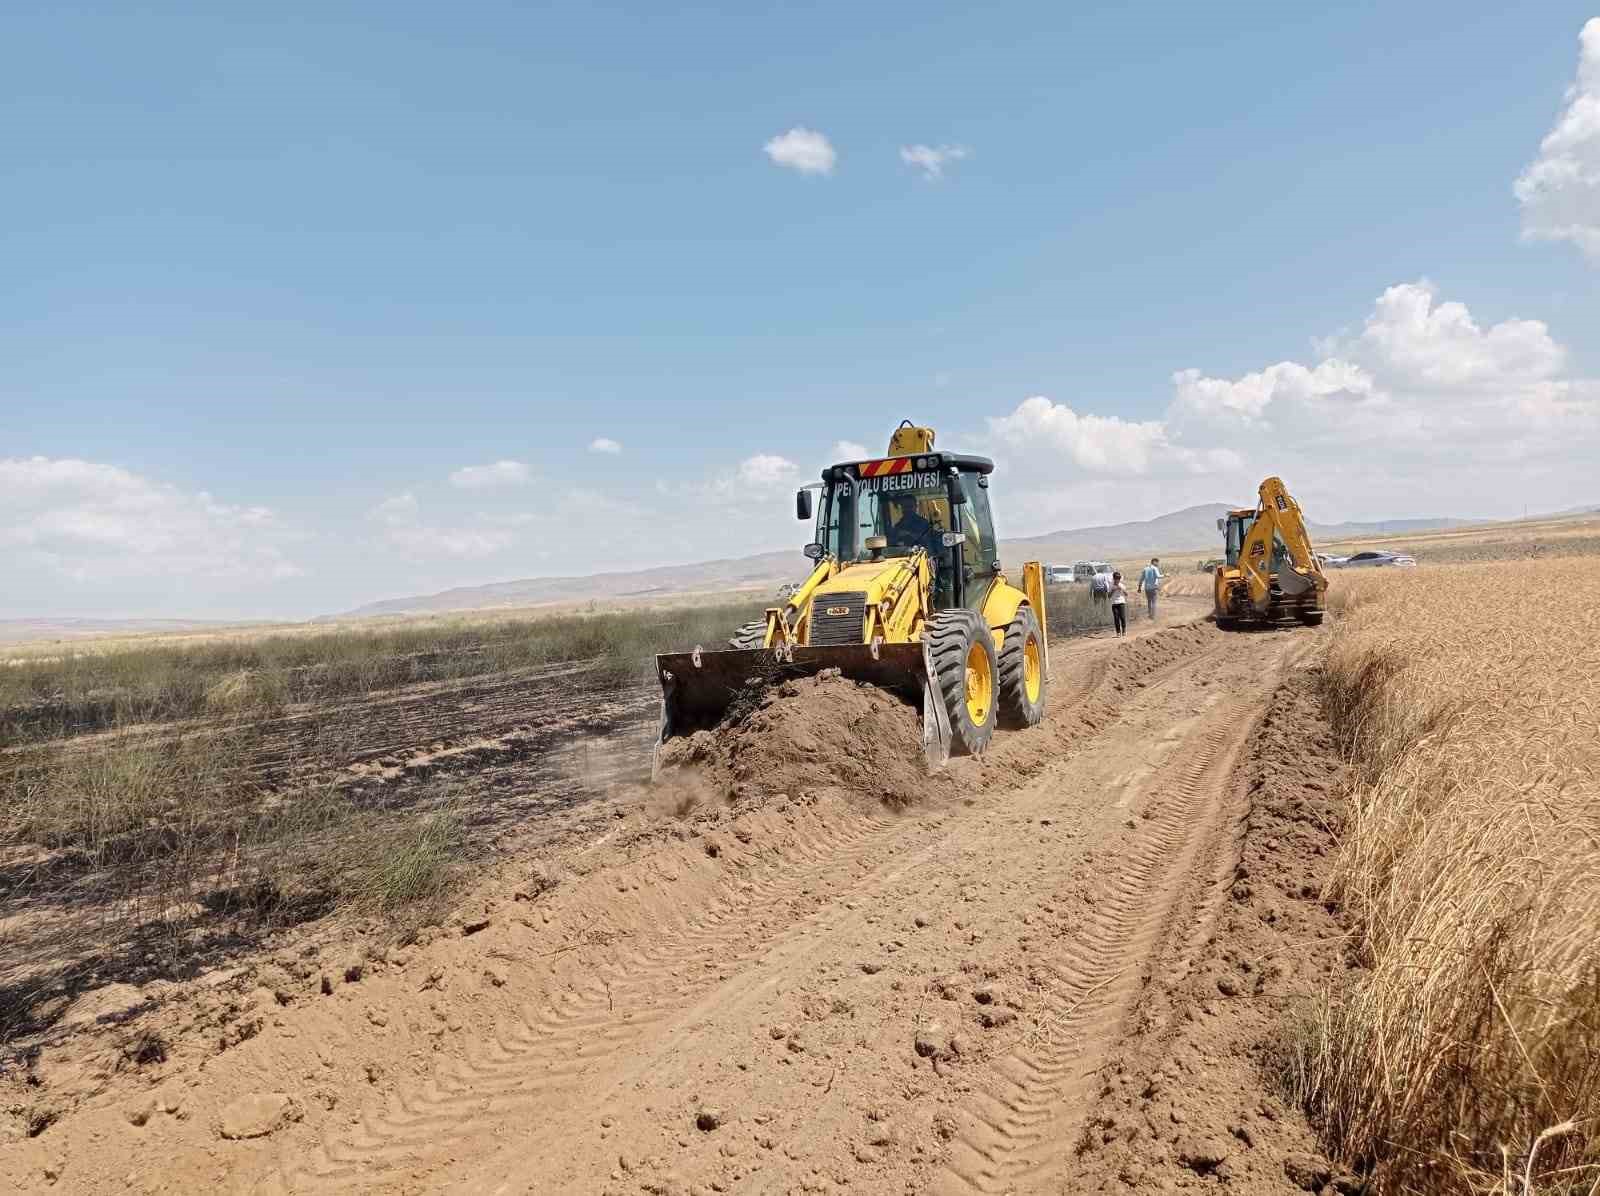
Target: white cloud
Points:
(848, 450)
(1410, 340)
(1425, 410)
(751, 485)
(1092, 442)
(767, 469)
(485, 477)
(1249, 396)
(932, 159)
(94, 523)
(604, 444)
(398, 510)
(804, 150)
(403, 527)
(1417, 365)
(1560, 190)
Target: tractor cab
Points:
(1236, 529)
(876, 510)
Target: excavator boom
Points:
(1271, 567)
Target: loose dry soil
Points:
(798, 966)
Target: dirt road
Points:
(795, 991)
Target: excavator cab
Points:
(935, 502)
(1238, 525)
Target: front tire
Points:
(1022, 679)
(1311, 618)
(965, 668)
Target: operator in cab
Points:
(909, 527)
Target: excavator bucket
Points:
(699, 688)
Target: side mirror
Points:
(802, 504)
(1222, 524)
(813, 552)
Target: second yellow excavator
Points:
(906, 592)
(1270, 569)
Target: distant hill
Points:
(767, 569)
(1189, 530)
(1388, 527)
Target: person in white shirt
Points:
(1119, 604)
(1150, 583)
(1100, 588)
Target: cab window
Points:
(1238, 529)
(980, 550)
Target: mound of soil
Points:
(811, 734)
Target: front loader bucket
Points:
(699, 688)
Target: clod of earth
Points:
(931, 1041)
(1202, 1154)
(257, 1115)
(1306, 1171)
(709, 1118)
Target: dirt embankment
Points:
(800, 978)
(849, 739)
(822, 733)
(1200, 1092)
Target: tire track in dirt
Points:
(550, 1047)
(1017, 1133)
(742, 1009)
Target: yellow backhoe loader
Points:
(906, 592)
(1270, 569)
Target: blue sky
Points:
(272, 279)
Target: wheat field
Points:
(1465, 1057)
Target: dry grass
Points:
(1466, 1057)
(93, 688)
(134, 854)
(1071, 610)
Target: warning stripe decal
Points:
(878, 469)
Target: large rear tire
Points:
(965, 668)
(1022, 672)
(1311, 618)
(749, 635)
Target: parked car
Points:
(1080, 572)
(1372, 559)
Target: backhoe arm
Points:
(1278, 519)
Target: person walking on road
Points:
(1150, 583)
(1100, 588)
(1119, 604)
